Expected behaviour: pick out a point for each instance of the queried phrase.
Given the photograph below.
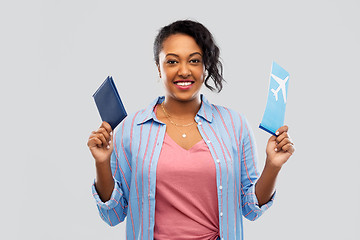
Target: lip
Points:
(184, 87)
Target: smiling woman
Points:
(183, 168)
(181, 68)
(204, 40)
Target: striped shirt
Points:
(137, 144)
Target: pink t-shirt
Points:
(186, 199)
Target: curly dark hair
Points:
(205, 41)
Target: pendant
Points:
(184, 135)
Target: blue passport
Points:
(274, 114)
(109, 104)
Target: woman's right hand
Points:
(100, 143)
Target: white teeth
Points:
(184, 83)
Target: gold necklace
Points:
(183, 134)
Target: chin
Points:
(185, 97)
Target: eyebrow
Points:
(192, 54)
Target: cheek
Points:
(168, 73)
(199, 73)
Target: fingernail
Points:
(108, 147)
(275, 149)
(277, 133)
(109, 141)
(110, 133)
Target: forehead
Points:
(180, 44)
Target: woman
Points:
(184, 168)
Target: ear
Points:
(158, 67)
(205, 75)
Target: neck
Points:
(182, 109)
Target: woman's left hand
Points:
(279, 148)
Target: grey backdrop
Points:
(54, 55)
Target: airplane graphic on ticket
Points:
(282, 87)
(274, 114)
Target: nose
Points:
(184, 70)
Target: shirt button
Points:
(197, 118)
(221, 214)
(220, 187)
(218, 160)
(199, 123)
(208, 141)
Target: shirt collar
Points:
(205, 110)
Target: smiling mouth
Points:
(184, 83)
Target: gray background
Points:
(54, 55)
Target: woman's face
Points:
(181, 67)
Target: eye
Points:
(171, 61)
(195, 60)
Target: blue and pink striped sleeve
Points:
(114, 210)
(250, 174)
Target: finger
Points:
(289, 148)
(107, 126)
(281, 130)
(281, 137)
(94, 141)
(102, 138)
(104, 132)
(111, 137)
(91, 141)
(110, 141)
(93, 134)
(284, 142)
(272, 138)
